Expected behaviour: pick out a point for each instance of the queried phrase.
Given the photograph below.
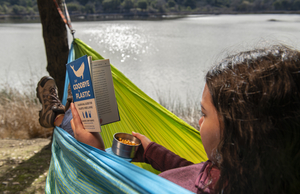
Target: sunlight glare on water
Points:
(123, 38)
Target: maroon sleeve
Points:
(163, 159)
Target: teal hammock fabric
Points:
(79, 168)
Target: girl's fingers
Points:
(145, 141)
(76, 119)
(139, 136)
(73, 126)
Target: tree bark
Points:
(55, 40)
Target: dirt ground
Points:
(24, 165)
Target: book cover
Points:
(83, 93)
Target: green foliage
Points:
(23, 7)
(171, 3)
(82, 2)
(142, 4)
(74, 7)
(111, 5)
(30, 10)
(296, 5)
(90, 8)
(190, 3)
(127, 4)
(159, 5)
(14, 2)
(5, 9)
(18, 9)
(188, 9)
(245, 6)
(288, 5)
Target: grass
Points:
(187, 111)
(19, 115)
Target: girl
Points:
(250, 128)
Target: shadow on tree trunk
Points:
(55, 40)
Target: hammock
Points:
(78, 168)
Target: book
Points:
(93, 92)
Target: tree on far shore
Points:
(29, 7)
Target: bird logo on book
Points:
(79, 71)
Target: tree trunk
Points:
(56, 41)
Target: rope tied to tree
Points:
(66, 19)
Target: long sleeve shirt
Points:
(194, 177)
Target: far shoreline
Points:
(133, 16)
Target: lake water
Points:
(168, 57)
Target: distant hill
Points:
(84, 7)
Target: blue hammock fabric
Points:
(79, 168)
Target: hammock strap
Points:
(71, 57)
(66, 19)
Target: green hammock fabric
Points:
(139, 113)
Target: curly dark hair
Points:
(257, 96)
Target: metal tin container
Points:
(122, 149)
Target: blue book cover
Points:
(83, 93)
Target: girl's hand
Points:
(140, 152)
(91, 138)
